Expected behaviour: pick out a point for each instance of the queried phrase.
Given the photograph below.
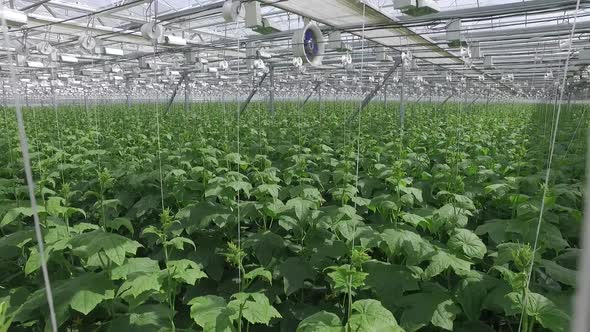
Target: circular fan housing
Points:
(309, 44)
(232, 11)
(153, 32)
(87, 43)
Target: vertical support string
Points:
(29, 178)
(548, 171)
(358, 151)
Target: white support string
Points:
(238, 199)
(358, 152)
(24, 145)
(548, 172)
(158, 110)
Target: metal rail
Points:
(378, 87)
(315, 89)
(182, 78)
(252, 93)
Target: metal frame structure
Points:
(526, 41)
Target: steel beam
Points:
(182, 78)
(315, 89)
(252, 93)
(378, 87)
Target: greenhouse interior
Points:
(294, 165)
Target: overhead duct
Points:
(113, 51)
(255, 21)
(174, 40)
(454, 34)
(416, 7)
(336, 43)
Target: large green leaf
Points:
(543, 310)
(388, 281)
(98, 247)
(443, 260)
(212, 314)
(82, 294)
(145, 318)
(559, 273)
(466, 242)
(431, 306)
(414, 247)
(135, 265)
(371, 316)
(294, 271)
(255, 307)
(322, 321)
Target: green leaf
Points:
(82, 294)
(11, 244)
(543, 310)
(140, 283)
(179, 241)
(371, 316)
(464, 241)
(97, 244)
(413, 219)
(259, 272)
(257, 310)
(345, 277)
(453, 215)
(300, 207)
(443, 260)
(135, 265)
(560, 273)
(205, 213)
(117, 223)
(295, 271)
(270, 189)
(414, 247)
(212, 314)
(388, 281)
(186, 271)
(13, 214)
(145, 318)
(421, 309)
(445, 314)
(496, 230)
(322, 321)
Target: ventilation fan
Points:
(87, 43)
(152, 32)
(44, 48)
(309, 44)
(232, 11)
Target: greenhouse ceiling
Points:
(498, 48)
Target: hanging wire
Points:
(57, 125)
(29, 177)
(548, 172)
(358, 151)
(238, 199)
(155, 22)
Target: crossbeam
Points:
(182, 78)
(252, 93)
(315, 89)
(378, 87)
